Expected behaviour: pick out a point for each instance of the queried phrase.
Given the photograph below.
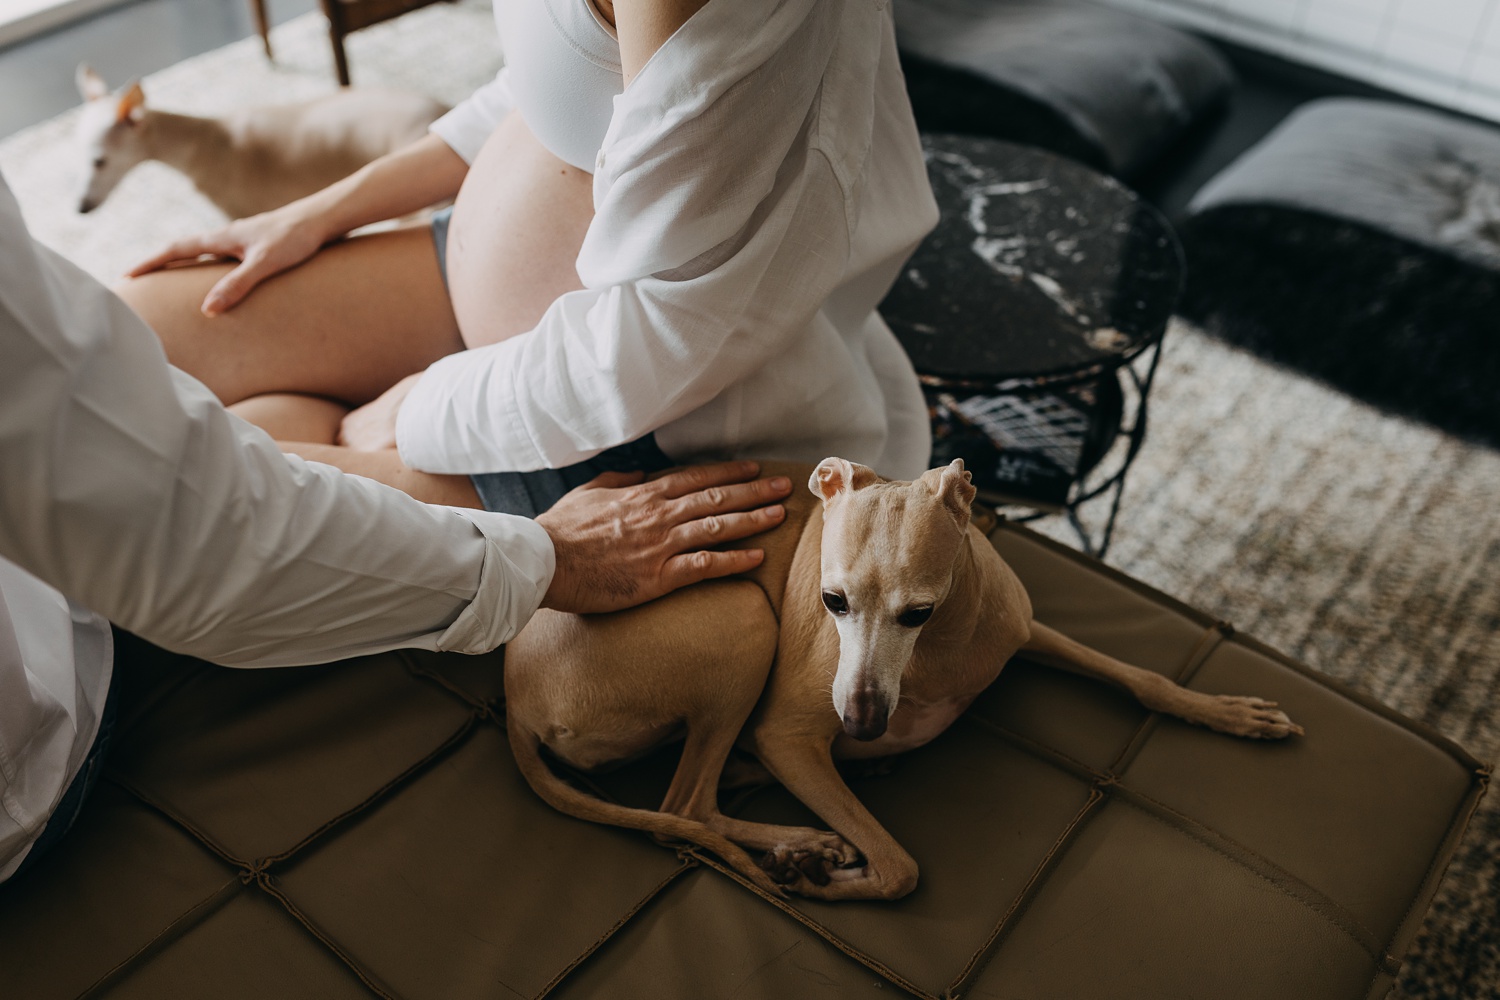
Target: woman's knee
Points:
(386, 467)
(347, 324)
(164, 299)
(168, 303)
(290, 416)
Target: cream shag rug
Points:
(1362, 544)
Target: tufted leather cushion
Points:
(360, 829)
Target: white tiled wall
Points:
(1444, 51)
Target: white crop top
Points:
(564, 68)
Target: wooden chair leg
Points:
(337, 30)
(340, 61)
(262, 24)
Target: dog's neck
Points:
(198, 147)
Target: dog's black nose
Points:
(866, 729)
(866, 714)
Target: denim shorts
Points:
(440, 220)
(531, 493)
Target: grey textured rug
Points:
(1362, 544)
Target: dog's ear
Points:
(834, 475)
(91, 85)
(132, 106)
(953, 485)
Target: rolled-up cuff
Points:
(518, 567)
(462, 417)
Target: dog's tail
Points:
(566, 799)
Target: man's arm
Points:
(124, 484)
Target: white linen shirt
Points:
(759, 188)
(126, 486)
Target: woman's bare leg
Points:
(309, 426)
(288, 416)
(386, 467)
(348, 324)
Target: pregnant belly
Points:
(518, 223)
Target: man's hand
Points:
(621, 542)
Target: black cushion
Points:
(1096, 84)
(1360, 242)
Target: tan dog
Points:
(877, 617)
(250, 161)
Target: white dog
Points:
(249, 161)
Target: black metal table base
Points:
(1031, 312)
(1105, 483)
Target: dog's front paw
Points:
(1252, 718)
(813, 858)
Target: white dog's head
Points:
(109, 135)
(889, 551)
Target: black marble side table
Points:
(1034, 315)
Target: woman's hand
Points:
(397, 184)
(264, 244)
(372, 427)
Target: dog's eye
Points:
(914, 617)
(98, 161)
(835, 603)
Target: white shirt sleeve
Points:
(56, 661)
(607, 366)
(131, 490)
(721, 226)
(469, 123)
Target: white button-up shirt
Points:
(126, 486)
(759, 188)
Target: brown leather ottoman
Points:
(359, 829)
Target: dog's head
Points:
(109, 135)
(889, 551)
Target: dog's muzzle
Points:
(866, 715)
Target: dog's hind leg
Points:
(601, 689)
(694, 792)
(713, 729)
(663, 825)
(808, 772)
(694, 795)
(791, 851)
(1237, 715)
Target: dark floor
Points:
(36, 76)
(36, 79)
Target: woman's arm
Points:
(643, 26)
(129, 488)
(397, 184)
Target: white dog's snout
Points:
(866, 713)
(872, 658)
